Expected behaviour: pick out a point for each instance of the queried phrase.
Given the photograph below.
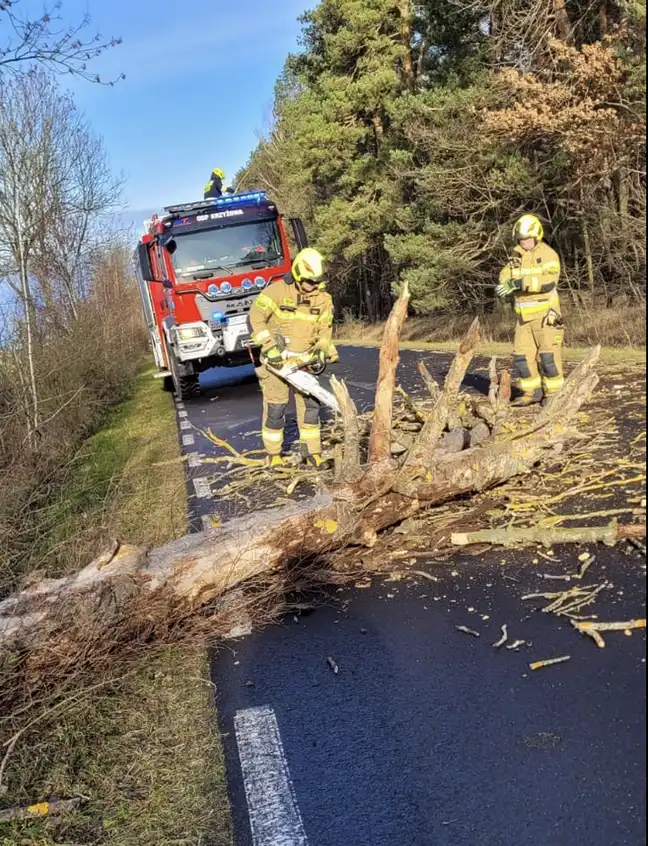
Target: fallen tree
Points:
(131, 590)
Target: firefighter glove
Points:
(273, 356)
(507, 287)
(318, 362)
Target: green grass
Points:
(621, 332)
(138, 743)
(609, 355)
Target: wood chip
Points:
(334, 667)
(467, 631)
(549, 662)
(503, 639)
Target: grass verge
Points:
(444, 336)
(140, 748)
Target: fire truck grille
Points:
(228, 306)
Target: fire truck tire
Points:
(187, 387)
(185, 381)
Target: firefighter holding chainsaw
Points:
(530, 280)
(293, 320)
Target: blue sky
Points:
(199, 85)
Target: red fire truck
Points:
(199, 268)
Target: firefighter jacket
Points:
(295, 321)
(534, 273)
(214, 188)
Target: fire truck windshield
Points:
(220, 251)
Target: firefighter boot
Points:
(316, 460)
(526, 400)
(274, 461)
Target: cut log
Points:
(608, 535)
(380, 440)
(129, 591)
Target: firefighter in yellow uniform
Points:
(531, 279)
(293, 316)
(214, 188)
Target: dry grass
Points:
(621, 331)
(138, 740)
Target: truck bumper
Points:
(199, 343)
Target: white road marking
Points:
(243, 422)
(193, 459)
(179, 403)
(188, 440)
(183, 414)
(202, 488)
(272, 805)
(185, 424)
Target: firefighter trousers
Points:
(276, 395)
(537, 357)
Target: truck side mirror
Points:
(299, 233)
(144, 261)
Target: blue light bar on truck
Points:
(251, 198)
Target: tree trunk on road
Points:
(128, 590)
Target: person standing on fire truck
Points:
(214, 188)
(293, 316)
(530, 279)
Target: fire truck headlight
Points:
(190, 332)
(260, 282)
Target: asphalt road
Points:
(374, 721)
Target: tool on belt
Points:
(553, 319)
(301, 372)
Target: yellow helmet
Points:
(218, 173)
(528, 226)
(308, 266)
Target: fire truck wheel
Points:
(185, 381)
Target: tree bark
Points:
(348, 469)
(563, 24)
(608, 535)
(604, 24)
(380, 440)
(409, 72)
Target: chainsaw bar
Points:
(307, 384)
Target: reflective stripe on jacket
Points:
(297, 320)
(536, 272)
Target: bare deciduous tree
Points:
(46, 40)
(54, 181)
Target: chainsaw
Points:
(301, 373)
